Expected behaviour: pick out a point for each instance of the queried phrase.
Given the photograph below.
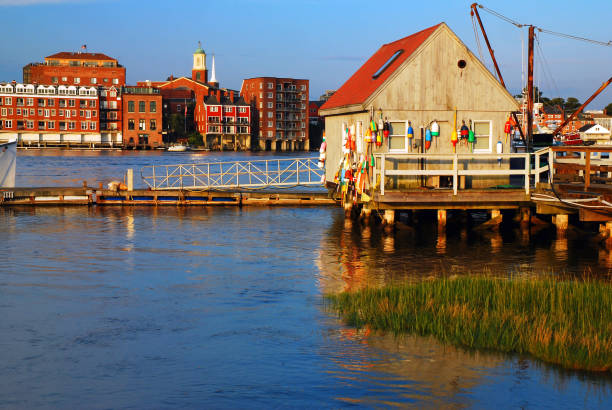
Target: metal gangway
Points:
(257, 174)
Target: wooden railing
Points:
(585, 161)
(455, 172)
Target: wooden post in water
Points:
(389, 219)
(562, 223)
(441, 218)
(130, 179)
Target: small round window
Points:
(461, 63)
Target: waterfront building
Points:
(111, 115)
(141, 116)
(427, 77)
(48, 115)
(76, 68)
(280, 105)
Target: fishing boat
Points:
(178, 148)
(8, 163)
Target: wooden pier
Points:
(104, 197)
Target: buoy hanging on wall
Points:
(427, 139)
(435, 130)
(454, 133)
(409, 134)
(508, 128)
(386, 127)
(500, 149)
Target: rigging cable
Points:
(554, 33)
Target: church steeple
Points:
(213, 78)
(199, 71)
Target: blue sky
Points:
(324, 41)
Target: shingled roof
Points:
(364, 82)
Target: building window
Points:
(270, 86)
(61, 113)
(94, 80)
(141, 125)
(8, 100)
(141, 106)
(71, 103)
(270, 114)
(270, 134)
(30, 102)
(270, 95)
(81, 113)
(214, 109)
(153, 125)
(72, 125)
(30, 124)
(130, 124)
(92, 125)
(19, 111)
(115, 81)
(54, 80)
(260, 95)
(41, 125)
(77, 80)
(41, 102)
(88, 114)
(83, 125)
(483, 136)
(64, 79)
(40, 112)
(398, 140)
(73, 112)
(270, 124)
(131, 106)
(92, 103)
(270, 105)
(31, 111)
(51, 102)
(4, 112)
(303, 87)
(152, 106)
(51, 125)
(178, 108)
(242, 110)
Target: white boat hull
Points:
(8, 163)
(177, 148)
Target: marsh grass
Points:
(562, 321)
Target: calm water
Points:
(142, 307)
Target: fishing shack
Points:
(418, 108)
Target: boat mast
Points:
(530, 87)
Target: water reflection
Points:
(419, 248)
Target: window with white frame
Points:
(8, 124)
(483, 136)
(270, 114)
(270, 105)
(270, 86)
(270, 124)
(242, 110)
(398, 141)
(77, 80)
(270, 95)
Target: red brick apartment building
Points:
(141, 116)
(42, 115)
(80, 69)
(280, 106)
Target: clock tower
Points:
(199, 71)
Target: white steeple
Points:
(213, 77)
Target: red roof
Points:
(361, 84)
(80, 56)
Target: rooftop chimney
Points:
(232, 96)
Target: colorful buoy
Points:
(427, 139)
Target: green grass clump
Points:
(566, 322)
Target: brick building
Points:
(219, 114)
(80, 69)
(50, 115)
(280, 106)
(141, 116)
(110, 115)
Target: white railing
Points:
(234, 175)
(455, 172)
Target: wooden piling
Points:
(562, 223)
